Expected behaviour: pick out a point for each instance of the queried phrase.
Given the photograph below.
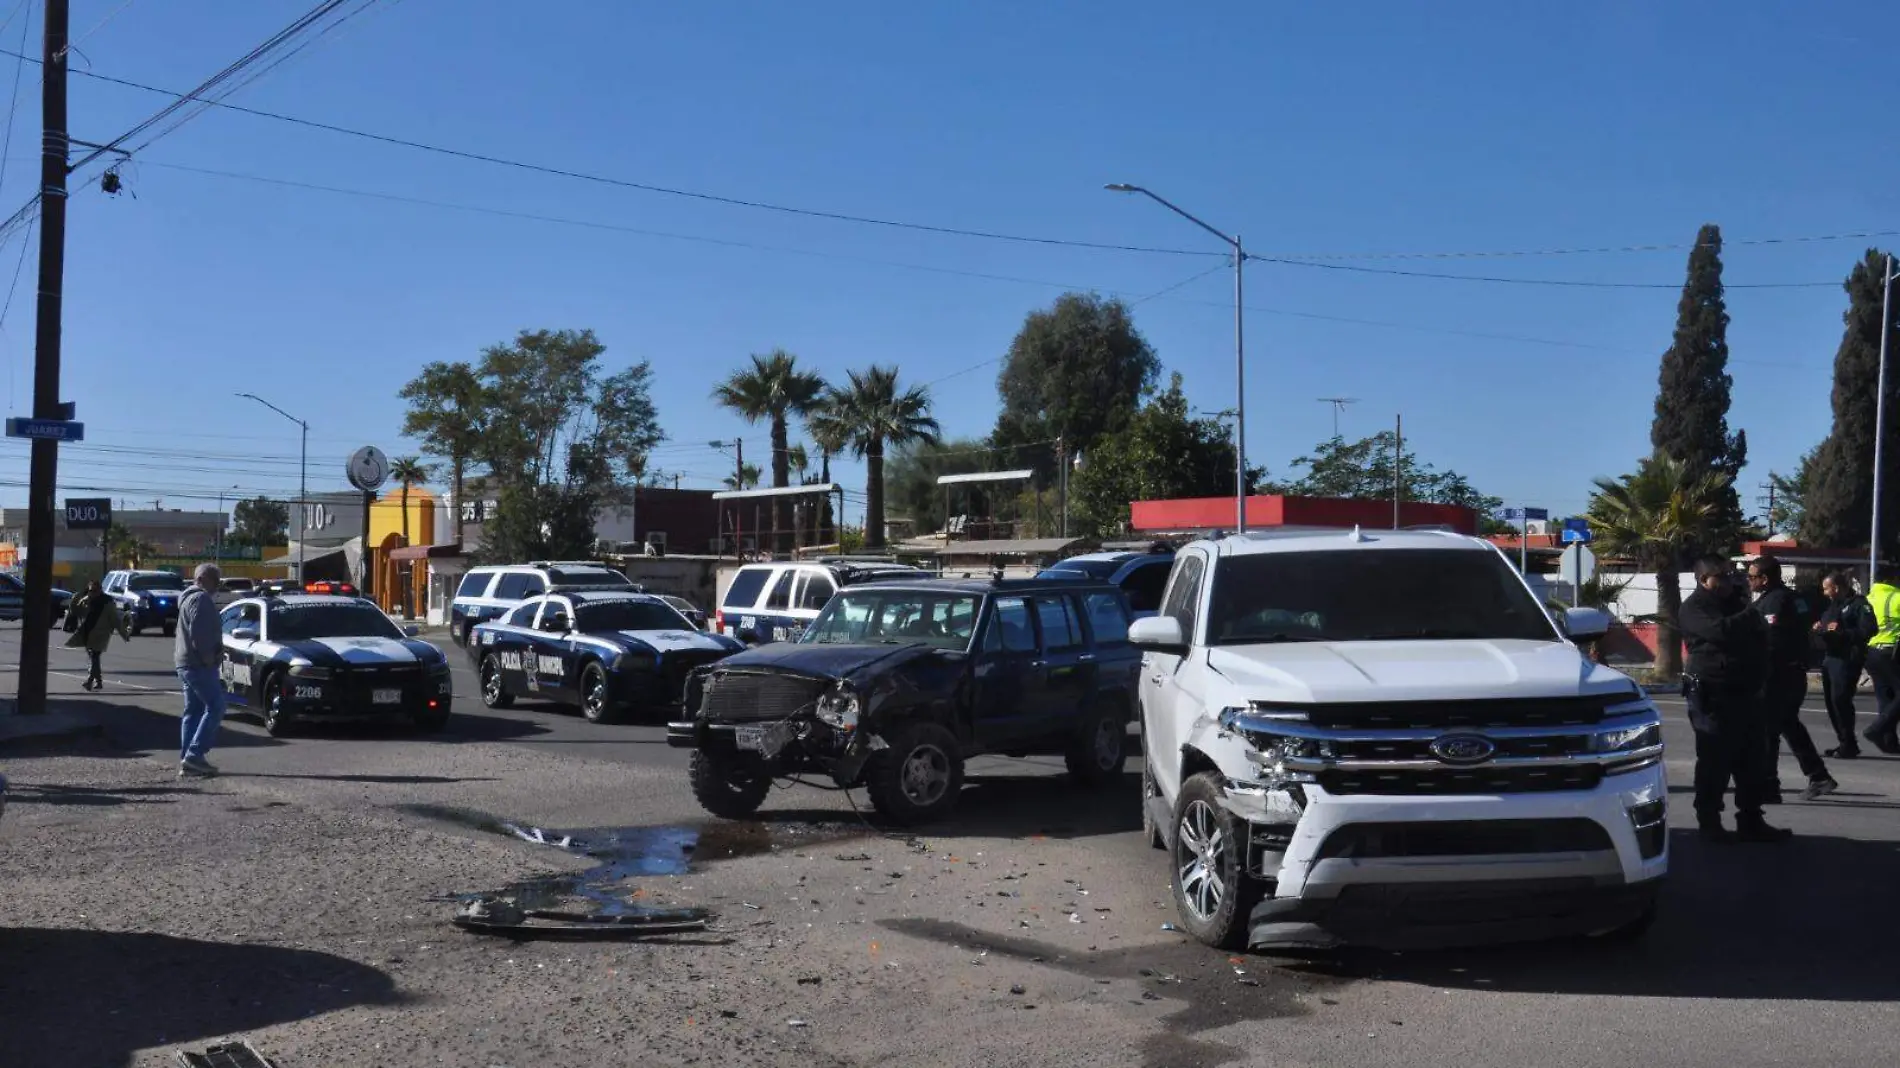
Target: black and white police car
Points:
(309, 657)
(609, 651)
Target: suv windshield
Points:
(295, 623)
(629, 615)
(1377, 595)
(896, 617)
(156, 582)
(586, 576)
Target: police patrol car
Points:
(492, 591)
(776, 602)
(318, 657)
(607, 650)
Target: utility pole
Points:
(1339, 407)
(1398, 468)
(43, 479)
(1880, 420)
(1770, 517)
(1062, 477)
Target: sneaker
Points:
(1715, 834)
(1820, 788)
(196, 766)
(1760, 832)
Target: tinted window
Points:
(474, 584)
(554, 617)
(1386, 595)
(744, 591)
(818, 590)
(517, 586)
(1095, 569)
(1010, 630)
(1184, 594)
(523, 616)
(1144, 585)
(343, 619)
(586, 576)
(630, 615)
(897, 617)
(239, 615)
(1060, 629)
(158, 582)
(781, 596)
(1107, 621)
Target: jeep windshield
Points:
(896, 617)
(1365, 595)
(296, 623)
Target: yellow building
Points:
(386, 532)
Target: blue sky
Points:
(1308, 129)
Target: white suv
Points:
(1382, 738)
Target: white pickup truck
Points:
(1383, 738)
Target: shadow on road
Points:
(93, 796)
(1004, 806)
(1806, 920)
(385, 780)
(97, 997)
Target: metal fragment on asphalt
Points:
(239, 1054)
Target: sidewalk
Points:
(56, 723)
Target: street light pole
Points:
(303, 480)
(1887, 278)
(217, 543)
(1240, 349)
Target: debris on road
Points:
(239, 1054)
(493, 915)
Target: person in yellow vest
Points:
(1882, 650)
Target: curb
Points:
(55, 724)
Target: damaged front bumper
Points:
(783, 747)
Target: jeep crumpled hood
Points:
(1323, 672)
(823, 660)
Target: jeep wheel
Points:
(494, 693)
(170, 629)
(1212, 894)
(277, 720)
(725, 787)
(1096, 754)
(596, 698)
(918, 778)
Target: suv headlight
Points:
(1643, 741)
(840, 709)
(1273, 749)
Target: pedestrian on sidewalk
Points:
(197, 654)
(1723, 688)
(1785, 620)
(1882, 649)
(98, 618)
(1844, 628)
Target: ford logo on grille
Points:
(1463, 748)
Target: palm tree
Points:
(746, 478)
(122, 544)
(773, 389)
(1659, 516)
(866, 417)
(409, 471)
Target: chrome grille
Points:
(734, 695)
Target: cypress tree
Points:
(1692, 398)
(1838, 507)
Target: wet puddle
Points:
(623, 853)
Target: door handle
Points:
(1086, 658)
(1038, 663)
(1157, 679)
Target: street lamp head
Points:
(1122, 187)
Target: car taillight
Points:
(719, 621)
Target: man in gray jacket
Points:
(197, 653)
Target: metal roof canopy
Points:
(986, 476)
(1009, 547)
(785, 491)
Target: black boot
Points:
(1715, 834)
(1758, 830)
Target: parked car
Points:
(686, 608)
(13, 599)
(1140, 575)
(896, 684)
(612, 653)
(303, 657)
(146, 599)
(1385, 739)
(493, 591)
(238, 585)
(273, 587)
(776, 602)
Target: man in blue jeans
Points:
(198, 651)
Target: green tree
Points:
(1076, 371)
(132, 550)
(1692, 396)
(1163, 452)
(1791, 496)
(1840, 497)
(1362, 470)
(773, 389)
(259, 521)
(1657, 516)
(746, 478)
(866, 416)
(911, 473)
(448, 413)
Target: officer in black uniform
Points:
(1844, 628)
(1785, 616)
(1723, 688)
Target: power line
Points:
(1851, 235)
(6, 145)
(96, 27)
(1360, 269)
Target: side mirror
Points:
(411, 631)
(1158, 634)
(244, 634)
(747, 635)
(1585, 624)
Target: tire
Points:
(1096, 755)
(1211, 893)
(277, 720)
(597, 703)
(1150, 830)
(170, 629)
(919, 777)
(724, 788)
(494, 694)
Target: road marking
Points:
(115, 682)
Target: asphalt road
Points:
(1764, 955)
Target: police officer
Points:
(1844, 628)
(1882, 649)
(1785, 617)
(1723, 688)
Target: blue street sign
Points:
(46, 429)
(1573, 536)
(1537, 514)
(1518, 515)
(1577, 523)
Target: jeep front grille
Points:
(730, 696)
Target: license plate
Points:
(766, 741)
(386, 697)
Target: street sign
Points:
(1519, 515)
(1577, 531)
(368, 469)
(46, 429)
(1578, 565)
(88, 513)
